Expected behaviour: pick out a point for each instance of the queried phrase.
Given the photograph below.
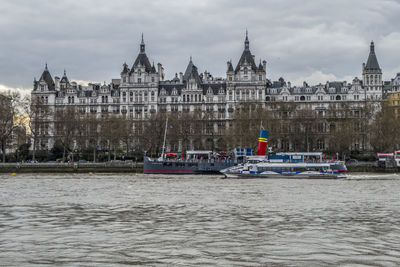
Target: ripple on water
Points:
(198, 220)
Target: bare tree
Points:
(10, 103)
(66, 128)
(39, 121)
(385, 131)
(151, 138)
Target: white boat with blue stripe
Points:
(288, 167)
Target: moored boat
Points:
(196, 162)
(285, 170)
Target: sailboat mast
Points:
(165, 136)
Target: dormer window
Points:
(139, 80)
(245, 71)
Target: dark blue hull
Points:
(155, 166)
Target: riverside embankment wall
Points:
(106, 167)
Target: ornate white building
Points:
(142, 90)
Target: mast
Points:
(165, 136)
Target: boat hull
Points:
(151, 166)
(285, 171)
(283, 176)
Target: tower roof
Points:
(230, 67)
(246, 56)
(372, 62)
(64, 78)
(46, 77)
(142, 59)
(191, 72)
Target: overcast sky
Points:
(311, 40)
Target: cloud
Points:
(5, 89)
(320, 77)
(93, 38)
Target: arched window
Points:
(267, 98)
(338, 97)
(302, 98)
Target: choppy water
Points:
(141, 220)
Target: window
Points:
(139, 80)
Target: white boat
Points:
(292, 165)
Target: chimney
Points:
(289, 84)
(265, 65)
(160, 71)
(57, 82)
(205, 76)
(181, 77)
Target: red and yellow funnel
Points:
(262, 143)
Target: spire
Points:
(246, 42)
(372, 62)
(142, 45)
(190, 59)
(65, 72)
(45, 67)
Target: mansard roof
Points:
(372, 62)
(170, 86)
(46, 77)
(215, 87)
(143, 60)
(248, 58)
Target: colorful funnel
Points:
(262, 143)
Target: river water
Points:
(113, 220)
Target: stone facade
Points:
(142, 90)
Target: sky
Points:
(309, 40)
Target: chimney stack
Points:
(57, 82)
(160, 71)
(181, 77)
